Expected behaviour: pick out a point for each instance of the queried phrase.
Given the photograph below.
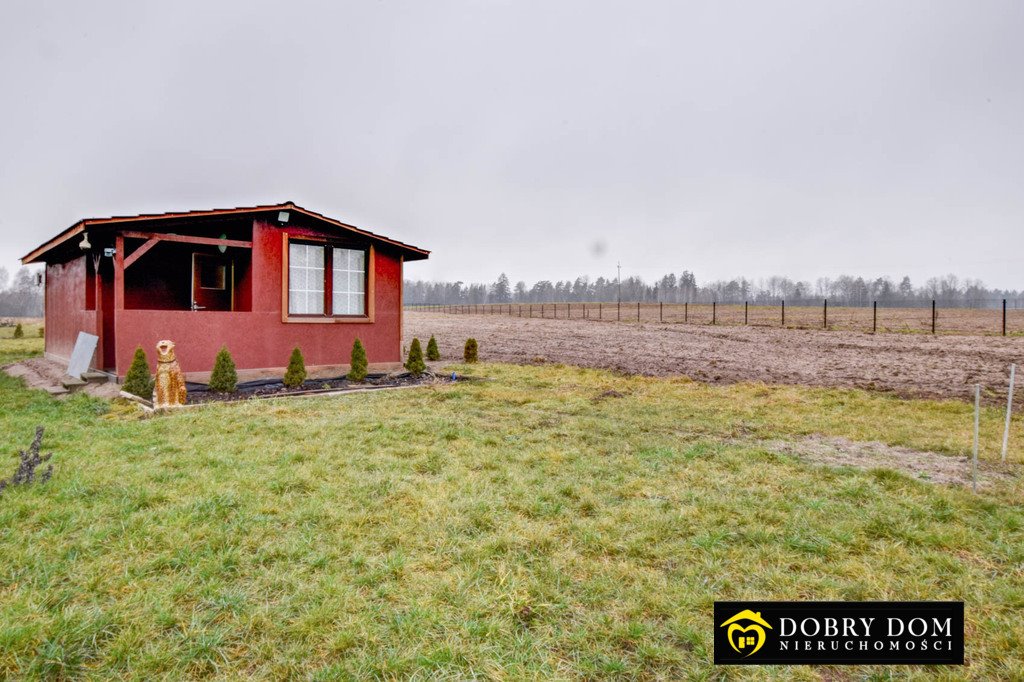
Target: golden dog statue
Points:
(169, 389)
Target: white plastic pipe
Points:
(977, 420)
(1009, 407)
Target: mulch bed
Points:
(271, 388)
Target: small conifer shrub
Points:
(415, 364)
(358, 363)
(138, 381)
(296, 372)
(224, 378)
(433, 353)
(42, 332)
(19, 333)
(471, 351)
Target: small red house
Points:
(259, 280)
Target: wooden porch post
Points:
(97, 292)
(118, 293)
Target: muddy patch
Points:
(930, 467)
(907, 365)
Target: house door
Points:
(213, 286)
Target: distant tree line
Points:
(948, 291)
(20, 297)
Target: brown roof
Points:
(412, 252)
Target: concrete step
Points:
(96, 377)
(57, 390)
(71, 383)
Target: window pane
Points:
(349, 281)
(296, 279)
(315, 303)
(305, 279)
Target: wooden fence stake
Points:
(1009, 406)
(783, 312)
(745, 306)
(714, 312)
(933, 316)
(874, 317)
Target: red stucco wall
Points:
(65, 307)
(260, 339)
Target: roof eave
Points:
(36, 254)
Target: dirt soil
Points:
(909, 365)
(42, 374)
(924, 466)
(277, 388)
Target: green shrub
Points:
(138, 381)
(472, 349)
(358, 363)
(224, 378)
(415, 363)
(42, 332)
(19, 333)
(296, 372)
(433, 353)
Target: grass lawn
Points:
(521, 528)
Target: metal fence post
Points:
(824, 315)
(746, 304)
(686, 311)
(661, 312)
(874, 318)
(714, 312)
(1004, 317)
(783, 312)
(933, 316)
(638, 311)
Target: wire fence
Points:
(999, 316)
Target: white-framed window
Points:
(348, 293)
(305, 279)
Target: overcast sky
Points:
(756, 138)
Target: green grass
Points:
(12, 349)
(521, 528)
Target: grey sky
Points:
(755, 138)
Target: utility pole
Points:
(618, 281)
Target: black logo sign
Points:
(839, 633)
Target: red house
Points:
(260, 280)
